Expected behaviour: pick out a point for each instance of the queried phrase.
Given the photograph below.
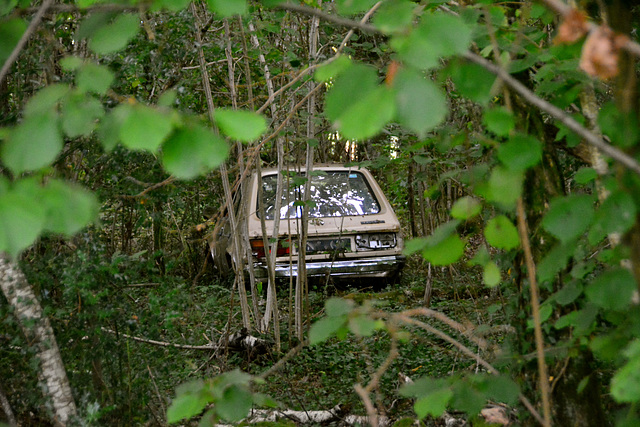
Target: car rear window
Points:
(333, 193)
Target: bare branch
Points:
(345, 22)
(162, 343)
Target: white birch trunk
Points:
(37, 329)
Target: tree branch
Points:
(161, 343)
(589, 137)
(345, 22)
(23, 40)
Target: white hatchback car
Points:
(352, 228)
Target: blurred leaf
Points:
(472, 81)
(80, 115)
(46, 100)
(585, 175)
(501, 233)
(568, 217)
(187, 404)
(421, 105)
(350, 7)
(235, 404)
(505, 186)
(68, 206)
(499, 120)
(394, 15)
(555, 260)
(612, 290)
(466, 207)
(625, 385)
(433, 39)
(193, 151)
(433, 404)
(241, 125)
(22, 219)
(228, 8)
(363, 325)
(116, 35)
(144, 128)
(617, 214)
(109, 128)
(332, 68)
(444, 252)
(491, 275)
(621, 127)
(325, 328)
(338, 306)
(10, 33)
(34, 143)
(569, 293)
(520, 152)
(94, 78)
(71, 63)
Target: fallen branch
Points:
(161, 343)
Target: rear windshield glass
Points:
(332, 193)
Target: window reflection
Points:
(333, 194)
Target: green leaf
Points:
(585, 175)
(144, 128)
(235, 403)
(491, 275)
(472, 81)
(555, 260)
(46, 100)
(350, 7)
(325, 328)
(612, 290)
(502, 389)
(568, 217)
(505, 186)
(336, 307)
(617, 214)
(187, 406)
(69, 207)
(192, 151)
(621, 127)
(421, 105)
(22, 219)
(499, 121)
(363, 325)
(501, 233)
(228, 8)
(466, 207)
(625, 384)
(80, 115)
(433, 404)
(569, 293)
(94, 78)
(394, 16)
(433, 39)
(33, 144)
(10, 32)
(71, 63)
(357, 105)
(109, 129)
(445, 252)
(115, 36)
(241, 125)
(521, 152)
(331, 68)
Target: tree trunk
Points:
(37, 329)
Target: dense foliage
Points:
(506, 134)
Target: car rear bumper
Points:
(383, 266)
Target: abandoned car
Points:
(353, 231)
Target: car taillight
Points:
(257, 248)
(376, 241)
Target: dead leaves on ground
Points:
(601, 50)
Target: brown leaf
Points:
(600, 53)
(573, 27)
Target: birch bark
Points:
(36, 328)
